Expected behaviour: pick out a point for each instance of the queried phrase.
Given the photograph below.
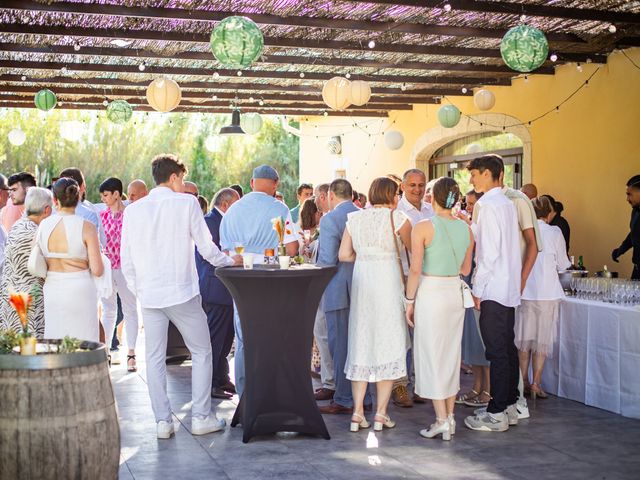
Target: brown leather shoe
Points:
(418, 399)
(324, 394)
(335, 409)
(229, 388)
(218, 392)
(400, 396)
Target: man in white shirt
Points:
(496, 292)
(158, 237)
(414, 182)
(137, 190)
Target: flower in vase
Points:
(21, 301)
(278, 226)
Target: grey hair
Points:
(413, 171)
(3, 181)
(224, 195)
(37, 200)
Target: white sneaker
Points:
(512, 415)
(206, 425)
(523, 409)
(115, 357)
(165, 429)
(488, 422)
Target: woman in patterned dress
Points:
(38, 204)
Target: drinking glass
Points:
(238, 247)
(247, 261)
(306, 235)
(573, 285)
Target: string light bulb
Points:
(612, 29)
(23, 78)
(76, 47)
(526, 79)
(464, 90)
(301, 74)
(216, 74)
(239, 73)
(447, 7)
(553, 57)
(142, 66)
(214, 96)
(326, 114)
(558, 109)
(403, 87)
(348, 76)
(251, 99)
(63, 69)
(261, 102)
(105, 102)
(579, 67)
(523, 18)
(372, 44)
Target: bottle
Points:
(573, 263)
(581, 263)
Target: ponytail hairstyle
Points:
(67, 192)
(446, 192)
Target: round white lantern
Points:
(360, 92)
(71, 130)
(336, 93)
(251, 123)
(17, 137)
(212, 143)
(163, 94)
(334, 147)
(393, 139)
(484, 99)
(473, 148)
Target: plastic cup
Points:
(284, 261)
(247, 261)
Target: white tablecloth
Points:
(596, 358)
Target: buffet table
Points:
(596, 358)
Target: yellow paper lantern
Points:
(336, 93)
(360, 92)
(163, 94)
(484, 99)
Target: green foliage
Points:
(69, 345)
(8, 341)
(125, 151)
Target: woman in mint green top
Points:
(441, 250)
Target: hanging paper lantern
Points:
(484, 99)
(336, 93)
(71, 130)
(45, 100)
(163, 94)
(524, 48)
(334, 146)
(212, 143)
(236, 42)
(449, 116)
(473, 148)
(394, 140)
(251, 123)
(119, 111)
(360, 92)
(17, 137)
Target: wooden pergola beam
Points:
(187, 71)
(186, 93)
(101, 9)
(518, 9)
(180, 109)
(215, 87)
(271, 59)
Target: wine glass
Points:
(573, 285)
(238, 247)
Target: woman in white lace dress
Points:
(378, 335)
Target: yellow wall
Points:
(582, 155)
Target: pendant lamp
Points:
(234, 128)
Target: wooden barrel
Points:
(58, 416)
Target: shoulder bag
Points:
(37, 264)
(465, 291)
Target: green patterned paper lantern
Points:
(236, 42)
(524, 48)
(119, 111)
(449, 116)
(45, 100)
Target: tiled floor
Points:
(563, 439)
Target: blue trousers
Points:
(238, 356)
(338, 333)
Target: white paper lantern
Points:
(17, 137)
(336, 93)
(484, 99)
(473, 148)
(360, 92)
(71, 130)
(334, 146)
(163, 94)
(393, 139)
(212, 143)
(251, 123)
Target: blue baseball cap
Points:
(265, 171)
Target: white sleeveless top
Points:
(76, 249)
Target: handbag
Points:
(465, 291)
(395, 244)
(37, 264)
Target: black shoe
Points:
(218, 392)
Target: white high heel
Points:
(362, 423)
(443, 428)
(387, 423)
(452, 423)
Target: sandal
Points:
(478, 401)
(358, 423)
(536, 391)
(385, 423)
(460, 399)
(131, 368)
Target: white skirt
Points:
(537, 325)
(437, 336)
(70, 306)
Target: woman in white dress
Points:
(71, 247)
(378, 335)
(441, 250)
(537, 317)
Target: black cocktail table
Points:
(277, 310)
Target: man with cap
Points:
(248, 221)
(632, 241)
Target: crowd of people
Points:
(426, 278)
